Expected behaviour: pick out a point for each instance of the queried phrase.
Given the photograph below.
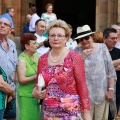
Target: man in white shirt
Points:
(34, 18)
(40, 27)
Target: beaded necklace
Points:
(55, 61)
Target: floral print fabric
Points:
(65, 86)
(57, 103)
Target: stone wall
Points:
(21, 10)
(106, 13)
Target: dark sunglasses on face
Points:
(84, 38)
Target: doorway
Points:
(74, 12)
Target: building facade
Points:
(99, 13)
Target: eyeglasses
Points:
(58, 36)
(84, 38)
(5, 24)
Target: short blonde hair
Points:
(61, 24)
(98, 37)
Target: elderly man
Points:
(40, 27)
(8, 61)
(26, 26)
(10, 12)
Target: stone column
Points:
(2, 6)
(106, 13)
(118, 12)
(101, 14)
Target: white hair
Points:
(115, 26)
(28, 16)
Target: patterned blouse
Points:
(65, 86)
(98, 68)
(48, 17)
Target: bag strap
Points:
(115, 110)
(104, 110)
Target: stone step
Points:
(18, 45)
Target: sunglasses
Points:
(84, 38)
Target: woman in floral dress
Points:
(66, 95)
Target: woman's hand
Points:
(38, 94)
(86, 53)
(109, 95)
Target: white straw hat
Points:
(83, 31)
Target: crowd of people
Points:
(81, 76)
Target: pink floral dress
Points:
(66, 91)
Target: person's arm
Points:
(110, 72)
(5, 87)
(116, 62)
(42, 43)
(21, 70)
(117, 68)
(79, 74)
(110, 92)
(32, 24)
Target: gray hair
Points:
(33, 9)
(9, 9)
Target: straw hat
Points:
(83, 31)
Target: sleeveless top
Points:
(31, 69)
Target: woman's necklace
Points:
(55, 61)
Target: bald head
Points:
(5, 27)
(5, 20)
(117, 28)
(28, 17)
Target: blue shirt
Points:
(8, 60)
(25, 28)
(6, 15)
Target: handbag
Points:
(41, 86)
(10, 111)
(115, 112)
